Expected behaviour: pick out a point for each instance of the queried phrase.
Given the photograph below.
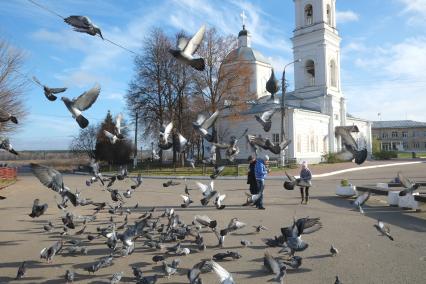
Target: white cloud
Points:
(415, 10)
(393, 84)
(346, 16)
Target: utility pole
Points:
(135, 155)
(283, 88)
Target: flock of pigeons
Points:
(165, 231)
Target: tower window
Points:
(333, 74)
(310, 72)
(329, 15)
(309, 13)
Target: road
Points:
(365, 256)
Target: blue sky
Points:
(382, 68)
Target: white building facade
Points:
(316, 106)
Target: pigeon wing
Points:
(57, 90)
(182, 42)
(195, 42)
(82, 22)
(118, 122)
(347, 138)
(48, 176)
(86, 100)
(405, 181)
(221, 272)
(210, 121)
(267, 115)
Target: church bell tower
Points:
(316, 42)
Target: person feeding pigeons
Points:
(305, 182)
(261, 171)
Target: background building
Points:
(317, 105)
(400, 135)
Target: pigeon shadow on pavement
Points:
(391, 215)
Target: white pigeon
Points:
(207, 191)
(224, 276)
(118, 126)
(83, 102)
(186, 48)
(111, 137)
(164, 136)
(202, 124)
(266, 119)
(219, 201)
(186, 201)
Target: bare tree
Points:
(85, 142)
(12, 84)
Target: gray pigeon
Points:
(6, 146)
(294, 262)
(194, 274)
(232, 150)
(337, 280)
(334, 251)
(292, 234)
(152, 279)
(217, 171)
(69, 276)
(207, 191)
(228, 254)
(352, 149)
(266, 119)
(137, 181)
(266, 144)
(49, 92)
(83, 24)
(275, 267)
(38, 209)
(233, 226)
(49, 253)
(186, 48)
(116, 277)
(81, 103)
(409, 185)
(5, 116)
(22, 270)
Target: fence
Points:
(7, 173)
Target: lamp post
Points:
(283, 88)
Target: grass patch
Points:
(408, 155)
(6, 182)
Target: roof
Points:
(245, 53)
(398, 124)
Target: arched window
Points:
(309, 14)
(329, 15)
(333, 73)
(310, 72)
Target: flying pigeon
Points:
(266, 119)
(170, 269)
(352, 149)
(118, 126)
(83, 24)
(22, 270)
(384, 229)
(181, 143)
(207, 191)
(5, 116)
(219, 201)
(186, 48)
(194, 274)
(292, 235)
(360, 200)
(137, 181)
(260, 228)
(233, 225)
(165, 132)
(292, 182)
(266, 144)
(186, 201)
(111, 137)
(205, 221)
(274, 266)
(81, 103)
(409, 185)
(217, 171)
(170, 183)
(49, 177)
(6, 146)
(49, 92)
(97, 175)
(38, 209)
(232, 149)
(252, 199)
(224, 276)
(202, 124)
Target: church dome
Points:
(245, 53)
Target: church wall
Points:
(310, 135)
(263, 72)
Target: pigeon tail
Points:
(213, 224)
(82, 121)
(13, 152)
(51, 97)
(14, 119)
(198, 64)
(360, 156)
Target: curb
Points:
(269, 177)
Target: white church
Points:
(316, 106)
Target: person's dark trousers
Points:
(260, 187)
(305, 195)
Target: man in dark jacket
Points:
(251, 176)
